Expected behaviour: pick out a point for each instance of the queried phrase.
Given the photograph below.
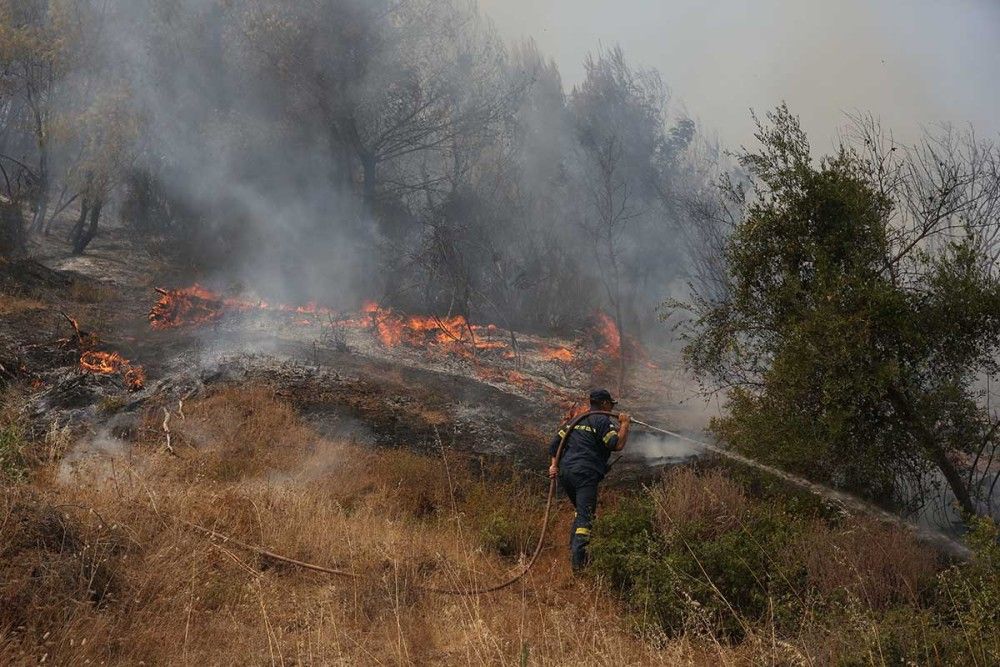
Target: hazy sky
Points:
(912, 62)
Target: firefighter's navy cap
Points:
(598, 395)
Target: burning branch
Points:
(105, 363)
(109, 363)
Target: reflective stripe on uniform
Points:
(583, 531)
(611, 434)
(562, 433)
(584, 427)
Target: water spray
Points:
(936, 538)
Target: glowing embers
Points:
(563, 354)
(110, 363)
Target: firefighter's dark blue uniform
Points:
(583, 465)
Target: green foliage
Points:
(849, 347)
(505, 515)
(507, 535)
(848, 592)
(13, 465)
(968, 595)
(679, 577)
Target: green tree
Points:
(860, 313)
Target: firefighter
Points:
(584, 463)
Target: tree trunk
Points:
(933, 449)
(12, 240)
(76, 231)
(61, 204)
(42, 202)
(86, 237)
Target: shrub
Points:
(695, 552)
(698, 551)
(13, 464)
(862, 560)
(705, 505)
(506, 514)
(968, 596)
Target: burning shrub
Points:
(110, 363)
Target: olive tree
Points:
(861, 312)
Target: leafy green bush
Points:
(968, 596)
(505, 515)
(701, 552)
(679, 577)
(13, 464)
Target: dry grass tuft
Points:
(710, 503)
(865, 559)
(11, 304)
(87, 291)
(49, 564)
(236, 434)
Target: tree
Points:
(35, 43)
(105, 132)
(384, 81)
(860, 312)
(619, 116)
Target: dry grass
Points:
(11, 304)
(876, 564)
(96, 570)
(87, 291)
(711, 501)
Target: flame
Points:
(454, 334)
(109, 363)
(608, 330)
(195, 305)
(556, 354)
(190, 305)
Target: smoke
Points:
(96, 458)
(655, 449)
(244, 177)
(913, 63)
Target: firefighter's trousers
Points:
(581, 488)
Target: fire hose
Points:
(472, 590)
(940, 540)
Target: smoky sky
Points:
(913, 63)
